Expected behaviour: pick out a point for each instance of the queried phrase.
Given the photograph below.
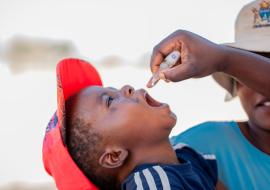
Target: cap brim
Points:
(227, 82)
(260, 45)
(72, 76)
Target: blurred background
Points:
(117, 37)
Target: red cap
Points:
(72, 76)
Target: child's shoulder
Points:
(173, 176)
(159, 176)
(187, 154)
(184, 150)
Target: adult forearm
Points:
(251, 69)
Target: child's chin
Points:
(173, 120)
(173, 116)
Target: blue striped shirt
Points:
(195, 171)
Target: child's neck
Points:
(162, 153)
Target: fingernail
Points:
(149, 83)
(155, 79)
(163, 77)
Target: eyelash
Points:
(109, 101)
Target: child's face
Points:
(256, 106)
(125, 117)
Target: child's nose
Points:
(127, 90)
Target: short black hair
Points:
(84, 145)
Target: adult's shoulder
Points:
(208, 134)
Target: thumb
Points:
(178, 73)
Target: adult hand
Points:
(199, 57)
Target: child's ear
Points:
(113, 157)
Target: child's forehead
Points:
(91, 102)
(93, 91)
(90, 93)
(85, 103)
(94, 95)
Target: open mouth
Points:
(264, 103)
(151, 101)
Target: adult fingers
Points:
(156, 59)
(160, 52)
(179, 72)
(159, 75)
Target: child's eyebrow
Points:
(100, 97)
(112, 88)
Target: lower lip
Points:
(264, 107)
(166, 109)
(173, 115)
(164, 106)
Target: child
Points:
(112, 139)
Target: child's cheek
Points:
(126, 104)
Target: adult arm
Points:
(200, 58)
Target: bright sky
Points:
(118, 27)
(100, 28)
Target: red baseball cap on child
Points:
(72, 76)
